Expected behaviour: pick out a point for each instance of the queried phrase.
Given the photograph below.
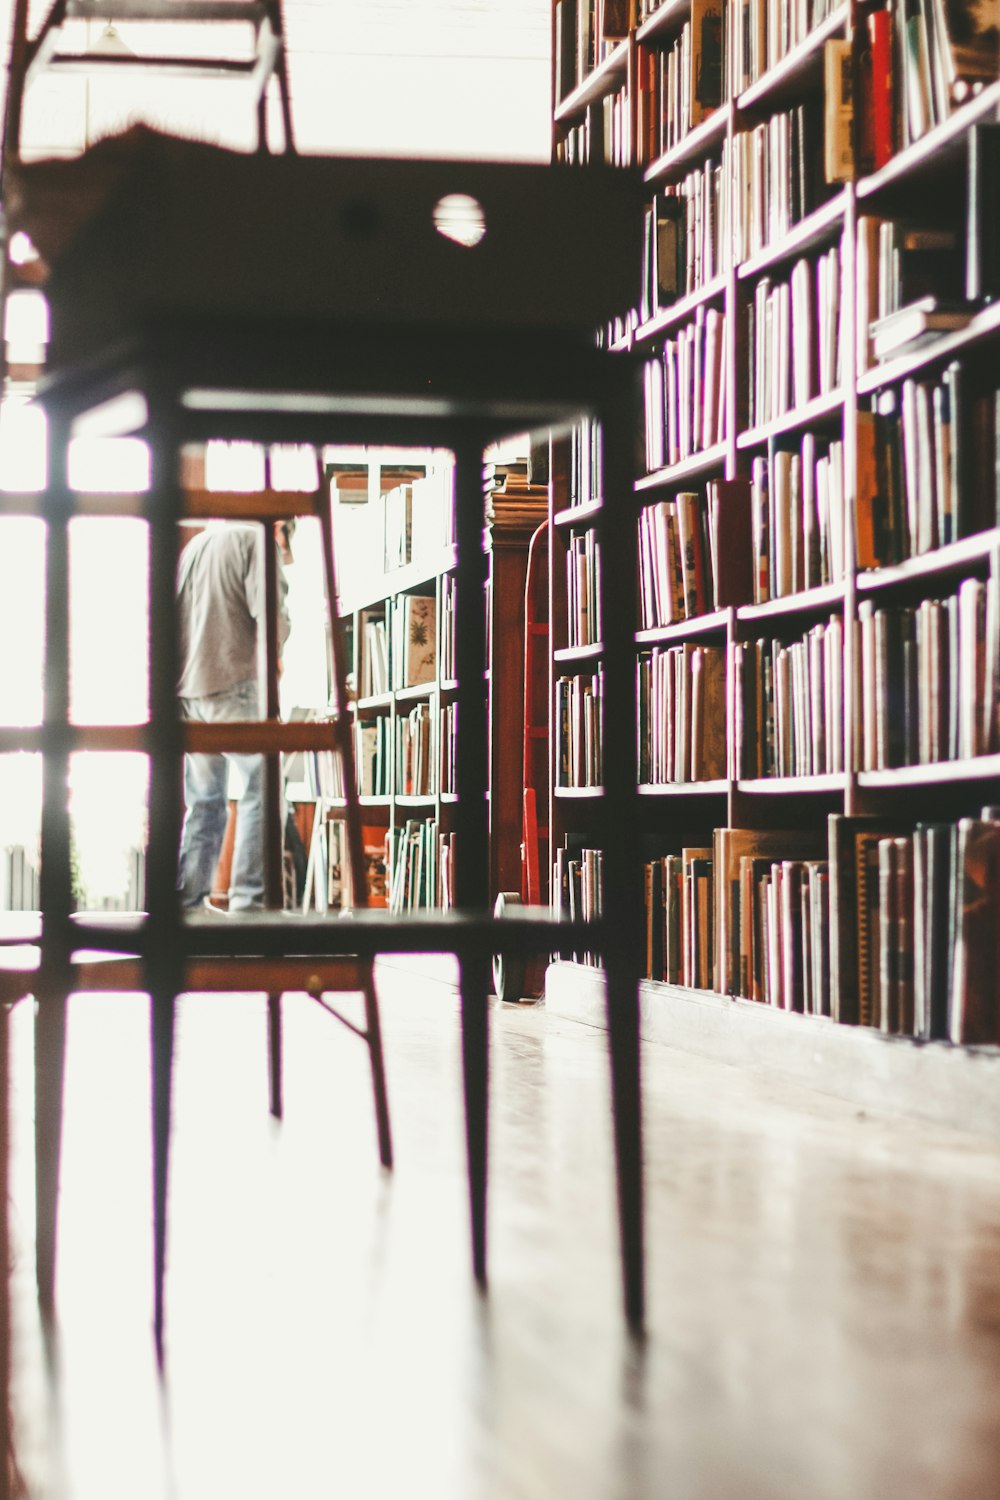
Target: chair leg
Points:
(626, 1107)
(275, 1070)
(476, 974)
(374, 1030)
(50, 1070)
(162, 1046)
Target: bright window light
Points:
(460, 218)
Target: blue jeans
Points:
(206, 804)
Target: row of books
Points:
(416, 766)
(685, 392)
(795, 341)
(576, 885)
(871, 924)
(397, 644)
(928, 467)
(373, 756)
(928, 58)
(930, 678)
(578, 712)
(681, 84)
(761, 32)
(915, 921)
(373, 653)
(789, 704)
(682, 714)
(419, 859)
(413, 644)
(330, 874)
(446, 639)
(584, 458)
(797, 517)
(583, 588)
(673, 558)
(695, 553)
(447, 732)
(777, 176)
(685, 233)
(585, 32)
(604, 134)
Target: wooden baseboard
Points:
(954, 1086)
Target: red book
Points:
(880, 42)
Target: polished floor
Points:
(824, 1286)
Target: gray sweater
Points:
(220, 598)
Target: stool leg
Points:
(162, 1008)
(623, 1044)
(622, 898)
(50, 1071)
(274, 1057)
(476, 984)
(374, 1032)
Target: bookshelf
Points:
(817, 636)
(401, 620)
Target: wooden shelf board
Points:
(415, 692)
(371, 800)
(719, 788)
(374, 704)
(939, 773)
(578, 515)
(714, 623)
(795, 67)
(416, 799)
(833, 782)
(985, 325)
(679, 311)
(933, 147)
(422, 571)
(957, 1087)
(573, 654)
(605, 79)
(818, 409)
(955, 557)
(697, 143)
(698, 464)
(667, 18)
(579, 793)
(827, 596)
(810, 231)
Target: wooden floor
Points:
(824, 1285)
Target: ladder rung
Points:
(261, 505)
(251, 11)
(89, 63)
(268, 976)
(263, 737)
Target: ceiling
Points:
(401, 77)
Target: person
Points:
(220, 601)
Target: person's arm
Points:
(254, 585)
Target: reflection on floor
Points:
(824, 1286)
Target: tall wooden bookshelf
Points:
(818, 520)
(404, 704)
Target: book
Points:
(838, 92)
(853, 863)
(733, 963)
(976, 974)
(915, 324)
(982, 235)
(417, 639)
